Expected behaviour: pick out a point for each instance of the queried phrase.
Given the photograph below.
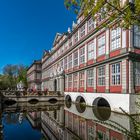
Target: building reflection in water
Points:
(76, 122)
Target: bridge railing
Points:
(25, 93)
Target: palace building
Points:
(34, 76)
(93, 65)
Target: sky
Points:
(27, 27)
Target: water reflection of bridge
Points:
(27, 107)
(20, 96)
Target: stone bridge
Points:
(20, 96)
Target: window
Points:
(82, 31)
(82, 55)
(75, 58)
(91, 52)
(115, 38)
(90, 24)
(136, 36)
(65, 63)
(101, 76)
(101, 45)
(75, 80)
(76, 37)
(70, 81)
(82, 78)
(90, 75)
(116, 74)
(70, 61)
(137, 73)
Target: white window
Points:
(116, 74)
(70, 81)
(65, 63)
(76, 37)
(91, 50)
(75, 80)
(82, 78)
(82, 31)
(90, 79)
(90, 24)
(101, 45)
(137, 36)
(115, 38)
(70, 61)
(101, 76)
(137, 73)
(75, 57)
(82, 55)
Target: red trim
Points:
(82, 65)
(81, 89)
(116, 89)
(90, 89)
(101, 128)
(115, 53)
(75, 89)
(116, 135)
(101, 88)
(90, 62)
(76, 68)
(70, 70)
(101, 58)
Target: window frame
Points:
(91, 78)
(115, 38)
(101, 76)
(82, 55)
(115, 74)
(102, 46)
(81, 79)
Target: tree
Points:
(127, 11)
(13, 74)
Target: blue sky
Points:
(27, 27)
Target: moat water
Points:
(64, 121)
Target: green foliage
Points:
(127, 13)
(13, 74)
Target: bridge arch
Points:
(68, 101)
(53, 100)
(80, 104)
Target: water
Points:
(56, 121)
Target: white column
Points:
(124, 76)
(85, 87)
(95, 71)
(85, 53)
(107, 41)
(95, 39)
(107, 77)
(131, 77)
(78, 57)
(123, 38)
